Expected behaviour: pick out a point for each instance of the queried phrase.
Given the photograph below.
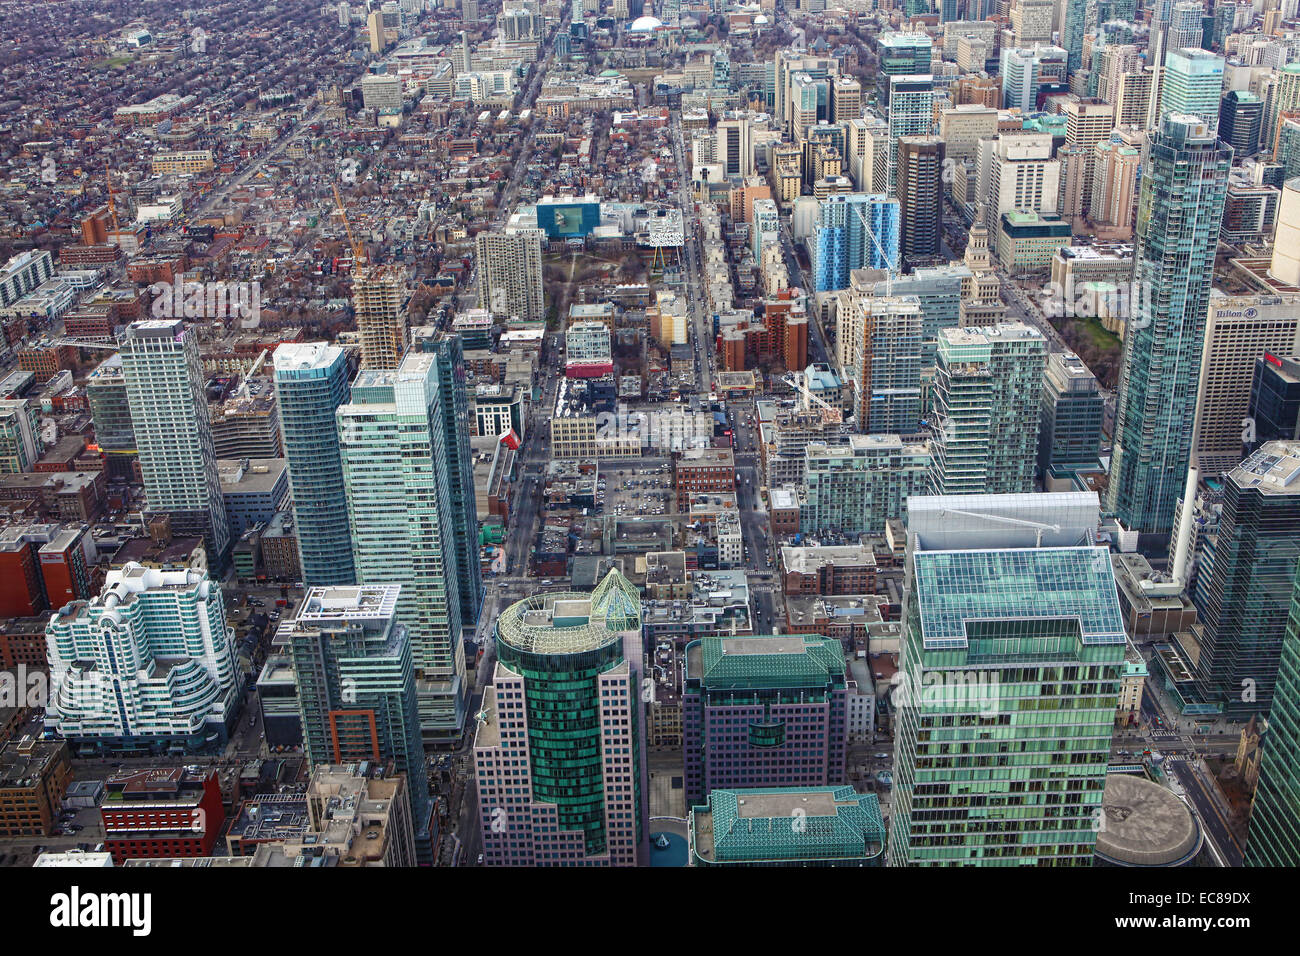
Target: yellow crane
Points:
(358, 253)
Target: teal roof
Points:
(954, 587)
(770, 660)
(788, 824)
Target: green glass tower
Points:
(1009, 679)
(1275, 815)
(560, 748)
(1184, 186)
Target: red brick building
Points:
(168, 812)
(698, 471)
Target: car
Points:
(480, 859)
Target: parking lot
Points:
(646, 491)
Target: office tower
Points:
(857, 485)
(846, 99)
(787, 64)
(1031, 21)
(20, 435)
(987, 389)
(1239, 331)
(809, 102)
(381, 91)
(379, 300)
(911, 114)
(1284, 102)
(391, 441)
(454, 399)
(1191, 83)
(1069, 430)
(1074, 24)
(169, 415)
(355, 675)
(559, 753)
(735, 151)
(883, 334)
(763, 711)
(1274, 838)
(1275, 400)
(999, 611)
(510, 273)
(902, 55)
(375, 31)
(1115, 184)
(1241, 117)
(1184, 184)
(853, 230)
(832, 826)
(1244, 584)
(1015, 171)
(920, 196)
(469, 11)
(311, 382)
(1020, 73)
(1088, 122)
(148, 664)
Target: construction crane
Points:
(358, 253)
(242, 391)
(112, 206)
(1038, 526)
(829, 413)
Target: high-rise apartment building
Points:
(1015, 171)
(1009, 676)
(147, 664)
(169, 415)
(510, 273)
(763, 711)
(559, 753)
(883, 335)
(111, 412)
(987, 389)
(852, 231)
(355, 677)
(856, 486)
(311, 382)
(1184, 185)
(20, 435)
(901, 54)
(399, 512)
(379, 299)
(1241, 119)
(911, 113)
(920, 196)
(735, 151)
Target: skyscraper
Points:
(911, 113)
(1009, 677)
(853, 230)
(884, 360)
(399, 511)
(509, 268)
(355, 676)
(1192, 83)
(379, 298)
(1074, 24)
(559, 753)
(920, 196)
(1069, 432)
(149, 663)
(901, 54)
(311, 382)
(454, 400)
(169, 415)
(1275, 813)
(987, 391)
(1184, 186)
(1244, 582)
(763, 711)
(1241, 119)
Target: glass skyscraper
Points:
(1180, 208)
(1275, 814)
(311, 382)
(560, 748)
(842, 237)
(399, 513)
(460, 463)
(1009, 677)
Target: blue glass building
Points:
(842, 243)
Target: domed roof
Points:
(760, 19)
(645, 24)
